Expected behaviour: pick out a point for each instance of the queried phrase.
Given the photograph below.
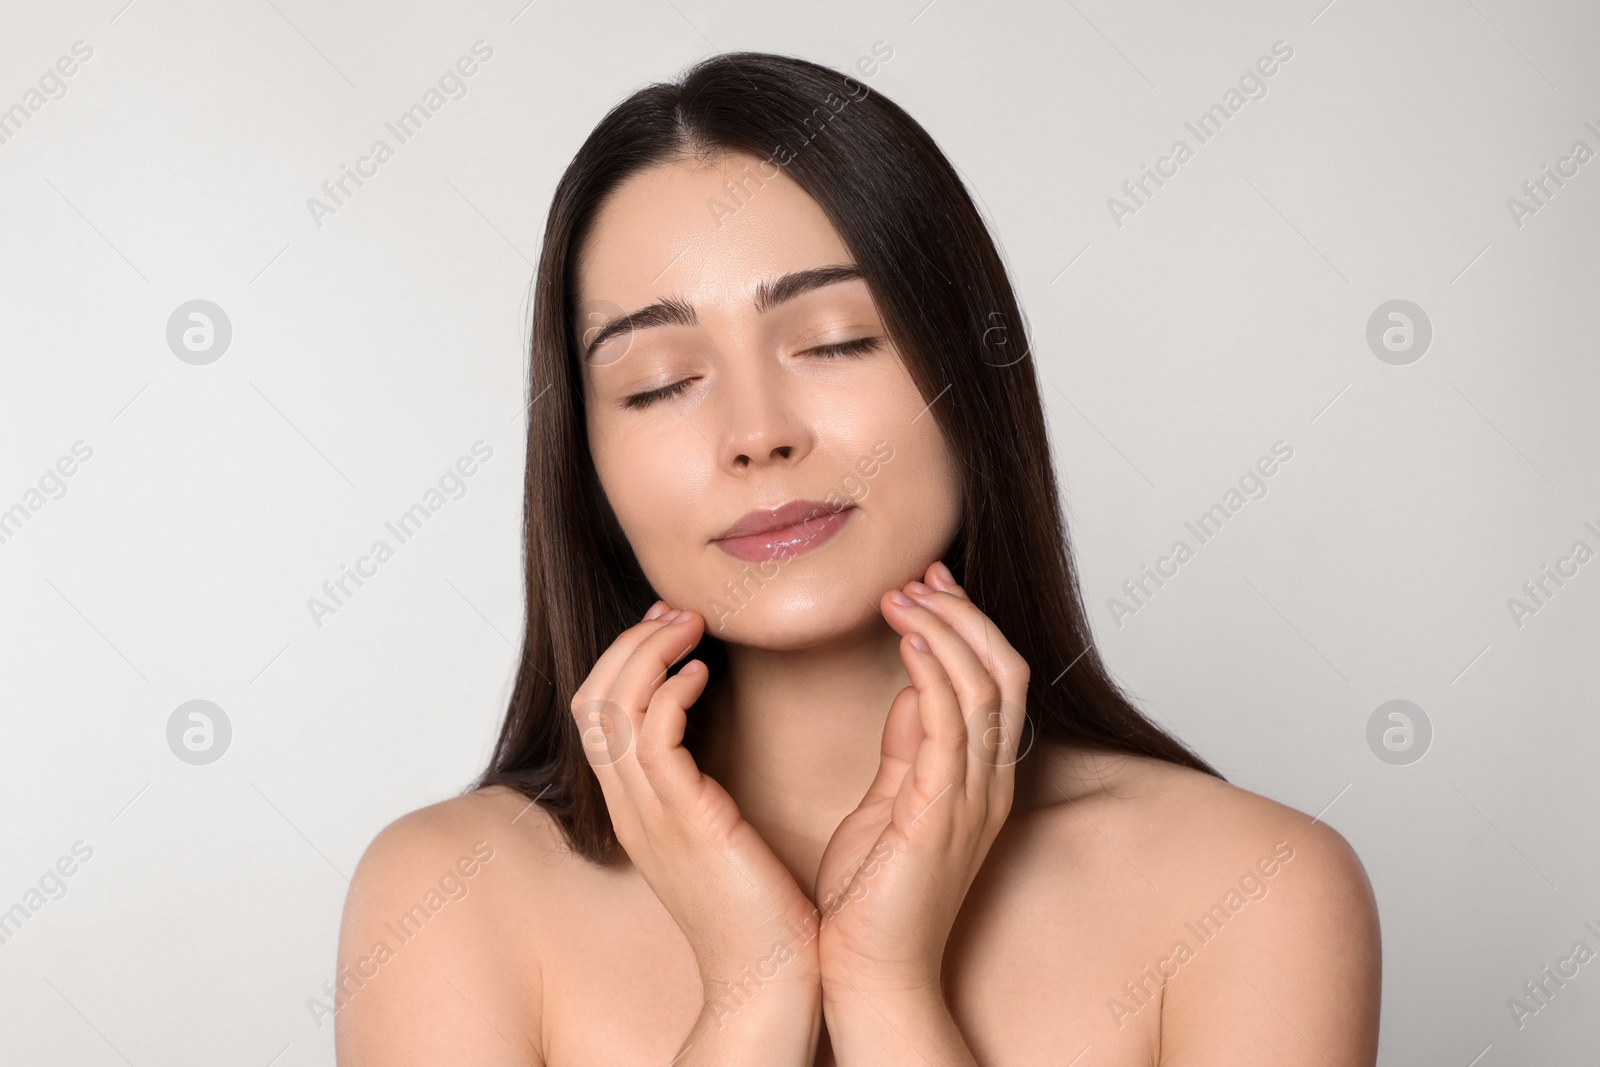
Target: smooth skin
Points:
(934, 807)
(978, 908)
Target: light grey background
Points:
(368, 353)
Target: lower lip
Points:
(788, 542)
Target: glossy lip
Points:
(767, 520)
(795, 528)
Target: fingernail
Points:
(679, 616)
(918, 587)
(669, 616)
(944, 572)
(900, 598)
(918, 643)
(655, 609)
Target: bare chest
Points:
(1050, 956)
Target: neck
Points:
(794, 736)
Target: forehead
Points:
(708, 233)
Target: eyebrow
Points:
(674, 311)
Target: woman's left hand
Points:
(895, 872)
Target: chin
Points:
(788, 616)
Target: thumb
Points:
(902, 735)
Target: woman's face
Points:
(753, 416)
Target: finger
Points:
(645, 667)
(902, 735)
(1002, 661)
(972, 680)
(605, 734)
(940, 577)
(940, 764)
(666, 764)
(991, 711)
(602, 676)
(607, 730)
(999, 658)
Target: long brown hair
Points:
(944, 297)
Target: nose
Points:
(761, 422)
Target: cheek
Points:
(656, 485)
(927, 487)
(914, 496)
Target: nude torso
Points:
(1076, 899)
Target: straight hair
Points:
(943, 294)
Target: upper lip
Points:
(765, 520)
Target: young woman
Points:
(811, 758)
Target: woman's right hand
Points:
(729, 893)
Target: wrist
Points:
(777, 985)
(916, 994)
(778, 1025)
(774, 1010)
(899, 981)
(893, 1025)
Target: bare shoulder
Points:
(1277, 956)
(438, 943)
(1201, 818)
(1188, 822)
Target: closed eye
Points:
(857, 348)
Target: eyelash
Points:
(856, 349)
